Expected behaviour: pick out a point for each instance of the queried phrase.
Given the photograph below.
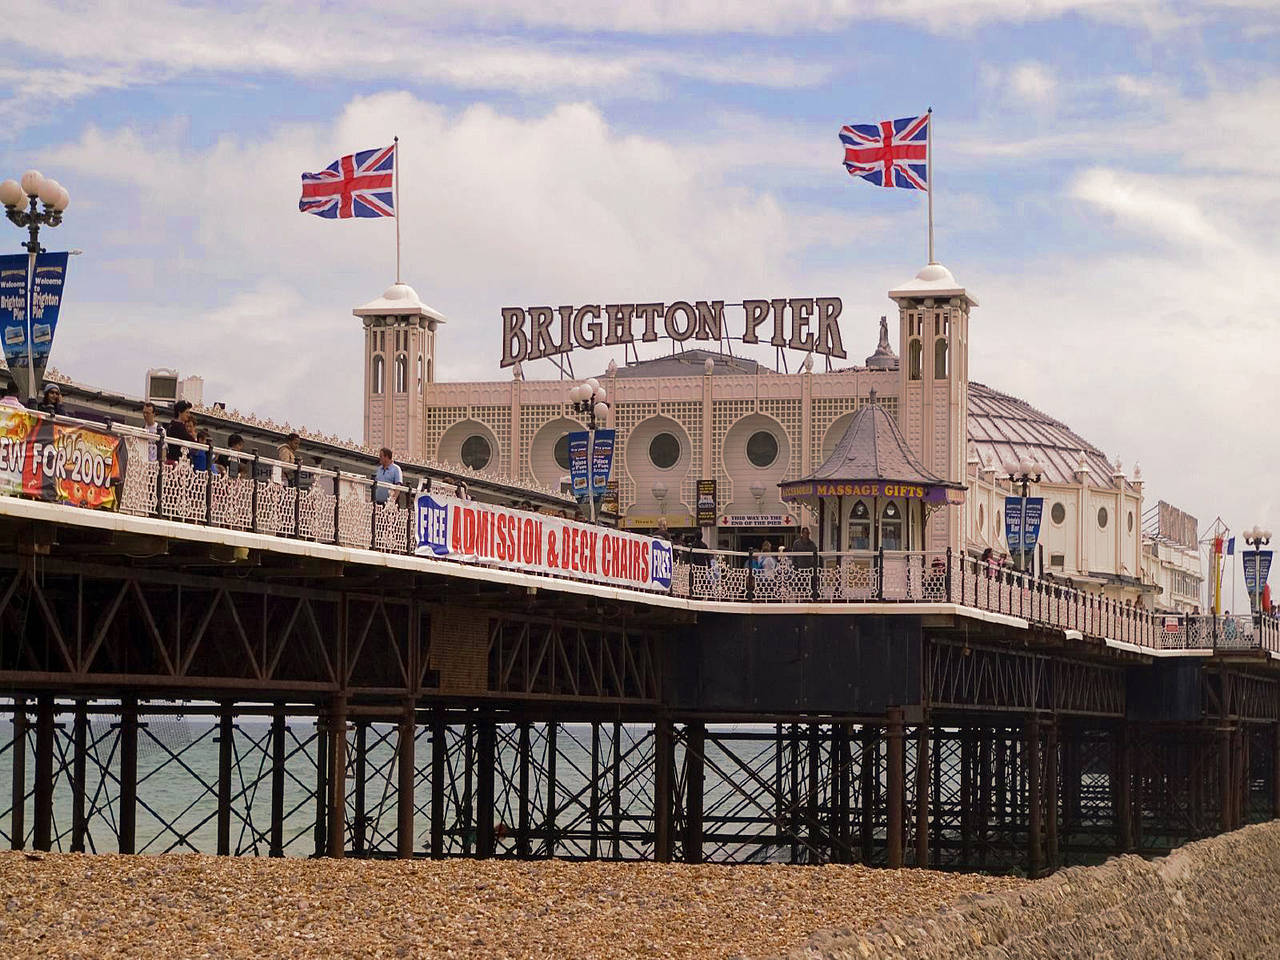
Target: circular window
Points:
(1058, 513)
(980, 517)
(1129, 522)
(664, 451)
(762, 448)
(476, 452)
(562, 452)
(1102, 517)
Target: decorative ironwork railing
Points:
(203, 484)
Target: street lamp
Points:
(22, 201)
(1023, 472)
(588, 399)
(1257, 538)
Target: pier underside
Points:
(167, 695)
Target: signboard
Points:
(609, 503)
(758, 520)
(58, 462)
(578, 441)
(601, 462)
(1022, 530)
(1172, 624)
(810, 324)
(13, 315)
(797, 489)
(537, 543)
(707, 503)
(1257, 567)
(1176, 526)
(46, 301)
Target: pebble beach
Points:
(195, 906)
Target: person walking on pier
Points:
(10, 398)
(388, 472)
(179, 428)
(287, 452)
(51, 401)
(804, 548)
(152, 426)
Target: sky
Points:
(1104, 184)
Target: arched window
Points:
(860, 527)
(420, 371)
(402, 374)
(940, 358)
(914, 352)
(891, 527)
(379, 375)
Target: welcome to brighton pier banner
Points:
(529, 334)
(59, 462)
(535, 542)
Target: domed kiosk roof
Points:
(872, 451)
(399, 300)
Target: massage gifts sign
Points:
(496, 536)
(810, 324)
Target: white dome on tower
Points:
(934, 280)
(399, 300)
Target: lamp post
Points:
(1023, 473)
(588, 399)
(22, 202)
(1257, 538)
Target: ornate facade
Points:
(699, 415)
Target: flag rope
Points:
(928, 154)
(395, 169)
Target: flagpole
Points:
(929, 177)
(396, 173)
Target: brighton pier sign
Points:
(810, 324)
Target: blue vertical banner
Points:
(1031, 523)
(1013, 524)
(601, 462)
(46, 300)
(578, 465)
(13, 315)
(1257, 567)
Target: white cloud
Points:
(1161, 209)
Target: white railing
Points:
(215, 486)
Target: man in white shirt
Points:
(152, 426)
(388, 472)
(10, 398)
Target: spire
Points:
(884, 358)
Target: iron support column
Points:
(1035, 815)
(360, 818)
(337, 813)
(868, 777)
(922, 794)
(897, 774)
(1226, 773)
(664, 759)
(438, 756)
(694, 772)
(524, 849)
(18, 827)
(549, 826)
(404, 782)
(79, 781)
(485, 808)
(226, 731)
(278, 753)
(1124, 777)
(128, 774)
(1051, 794)
(42, 834)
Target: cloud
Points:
(1160, 209)
(497, 209)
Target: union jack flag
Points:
(358, 185)
(892, 153)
